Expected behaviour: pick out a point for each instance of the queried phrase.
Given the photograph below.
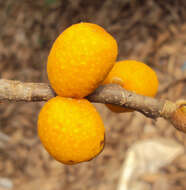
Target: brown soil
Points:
(149, 31)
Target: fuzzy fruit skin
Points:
(133, 76)
(80, 59)
(71, 130)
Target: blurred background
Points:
(152, 31)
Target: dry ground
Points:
(150, 31)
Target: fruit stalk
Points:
(15, 91)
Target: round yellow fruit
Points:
(80, 59)
(133, 76)
(71, 130)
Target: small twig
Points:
(14, 91)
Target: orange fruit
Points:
(71, 130)
(133, 76)
(183, 109)
(80, 59)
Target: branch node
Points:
(168, 108)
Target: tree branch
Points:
(14, 91)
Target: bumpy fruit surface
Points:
(71, 130)
(133, 76)
(80, 59)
